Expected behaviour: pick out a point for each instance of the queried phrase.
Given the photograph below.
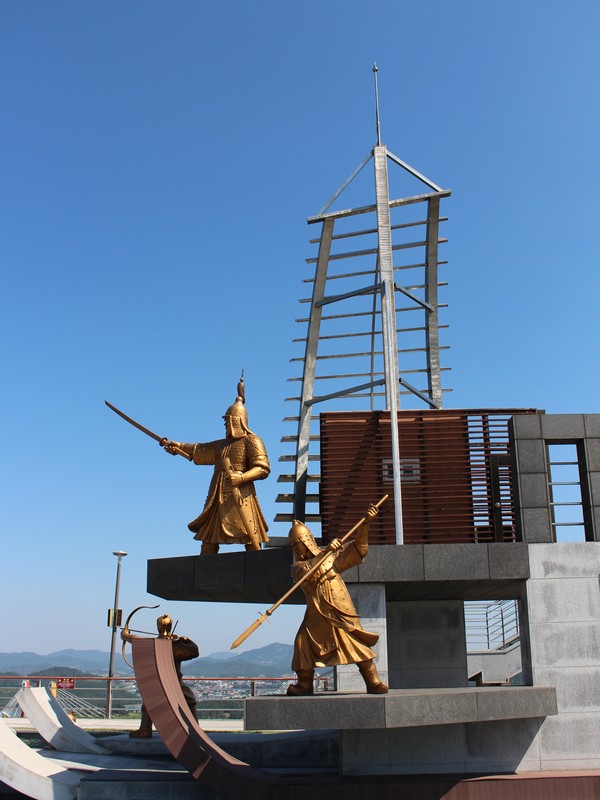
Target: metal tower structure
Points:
(365, 290)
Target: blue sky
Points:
(158, 163)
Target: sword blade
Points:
(135, 424)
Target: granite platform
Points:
(401, 708)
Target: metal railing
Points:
(491, 625)
(97, 696)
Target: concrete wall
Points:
(563, 612)
(563, 598)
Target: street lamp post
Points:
(120, 554)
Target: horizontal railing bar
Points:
(404, 201)
(372, 251)
(365, 313)
(370, 289)
(374, 230)
(366, 333)
(362, 272)
(369, 353)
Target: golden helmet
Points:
(300, 533)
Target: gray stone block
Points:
(392, 563)
(433, 652)
(571, 736)
(565, 644)
(568, 599)
(562, 426)
(508, 560)
(592, 454)
(365, 751)
(565, 560)
(577, 688)
(506, 703)
(534, 490)
(431, 708)
(594, 479)
(453, 562)
(318, 712)
(430, 678)
(592, 425)
(596, 522)
(503, 745)
(427, 749)
(536, 525)
(369, 601)
(531, 456)
(527, 426)
(426, 617)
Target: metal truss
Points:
(360, 299)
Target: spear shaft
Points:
(257, 623)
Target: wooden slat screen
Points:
(456, 474)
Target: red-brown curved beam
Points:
(184, 738)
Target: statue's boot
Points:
(145, 729)
(371, 678)
(209, 549)
(252, 547)
(304, 684)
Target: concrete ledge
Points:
(401, 708)
(410, 572)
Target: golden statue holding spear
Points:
(330, 633)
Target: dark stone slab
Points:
(531, 456)
(401, 708)
(133, 784)
(453, 562)
(526, 426)
(508, 560)
(171, 578)
(390, 563)
(563, 426)
(410, 572)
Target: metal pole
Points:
(388, 320)
(120, 554)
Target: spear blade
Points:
(249, 631)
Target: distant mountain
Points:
(273, 660)
(90, 661)
(270, 661)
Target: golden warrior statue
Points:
(184, 649)
(231, 513)
(330, 633)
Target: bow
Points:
(125, 629)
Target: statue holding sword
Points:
(231, 514)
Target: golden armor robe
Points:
(220, 521)
(330, 633)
